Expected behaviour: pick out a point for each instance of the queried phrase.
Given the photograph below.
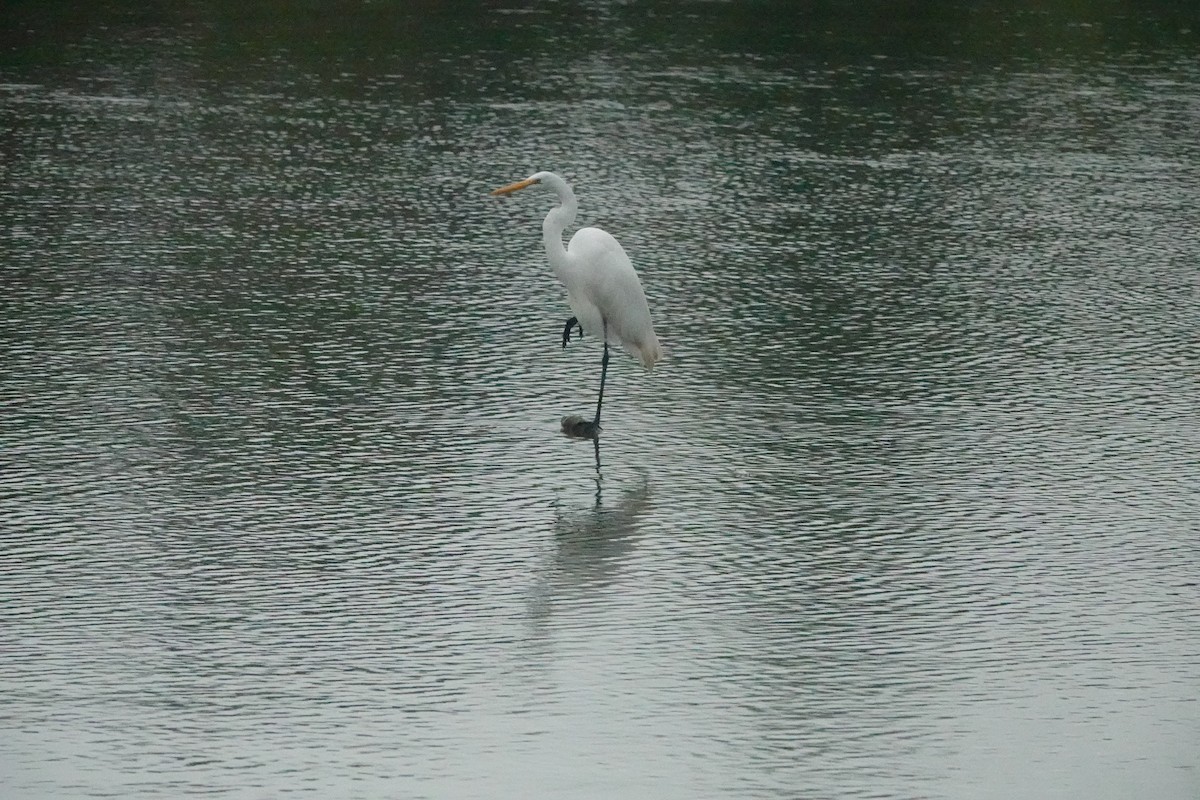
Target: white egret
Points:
(603, 289)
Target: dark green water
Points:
(909, 510)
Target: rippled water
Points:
(909, 510)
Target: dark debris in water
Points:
(577, 427)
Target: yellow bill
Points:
(512, 187)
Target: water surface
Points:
(908, 511)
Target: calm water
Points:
(910, 509)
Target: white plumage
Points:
(604, 292)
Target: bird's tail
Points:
(650, 352)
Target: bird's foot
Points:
(577, 427)
(571, 323)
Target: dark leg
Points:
(577, 426)
(603, 373)
(571, 323)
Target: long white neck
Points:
(556, 222)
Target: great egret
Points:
(603, 289)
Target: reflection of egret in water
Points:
(595, 440)
(599, 474)
(577, 580)
(590, 545)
